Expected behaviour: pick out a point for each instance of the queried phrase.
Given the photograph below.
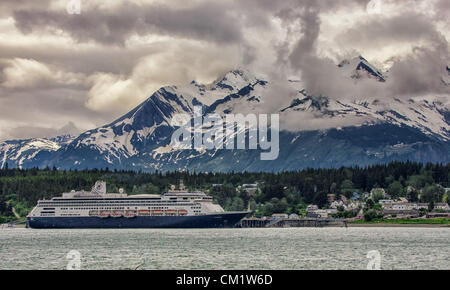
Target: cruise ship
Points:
(98, 209)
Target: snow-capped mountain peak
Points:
(236, 78)
(140, 139)
(359, 67)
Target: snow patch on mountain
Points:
(20, 151)
(5, 149)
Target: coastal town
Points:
(376, 205)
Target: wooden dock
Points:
(288, 223)
(253, 222)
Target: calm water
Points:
(291, 248)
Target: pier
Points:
(287, 222)
(253, 222)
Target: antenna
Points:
(181, 184)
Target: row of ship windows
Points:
(86, 208)
(102, 204)
(118, 201)
(74, 214)
(99, 202)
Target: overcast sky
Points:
(62, 72)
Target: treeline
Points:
(286, 192)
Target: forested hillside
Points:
(278, 192)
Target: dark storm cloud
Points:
(405, 27)
(319, 74)
(443, 9)
(420, 73)
(7, 6)
(84, 60)
(208, 21)
(26, 132)
(46, 111)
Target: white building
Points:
(280, 215)
(402, 200)
(311, 207)
(385, 201)
(441, 206)
(337, 203)
(319, 213)
(401, 206)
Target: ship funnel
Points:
(99, 188)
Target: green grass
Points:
(405, 221)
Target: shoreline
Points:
(359, 225)
(390, 225)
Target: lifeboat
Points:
(130, 214)
(171, 212)
(117, 214)
(182, 212)
(157, 212)
(104, 214)
(144, 212)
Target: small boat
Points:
(182, 212)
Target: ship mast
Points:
(181, 185)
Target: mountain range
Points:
(316, 131)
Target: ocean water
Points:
(260, 248)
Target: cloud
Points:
(418, 72)
(8, 6)
(305, 121)
(208, 21)
(91, 68)
(174, 65)
(47, 108)
(29, 73)
(109, 91)
(409, 27)
(26, 132)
